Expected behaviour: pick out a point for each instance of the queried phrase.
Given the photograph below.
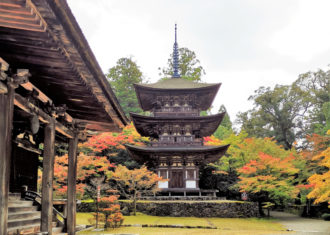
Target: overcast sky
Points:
(244, 44)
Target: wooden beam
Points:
(63, 130)
(30, 108)
(97, 126)
(72, 175)
(25, 105)
(3, 88)
(44, 98)
(47, 178)
(6, 125)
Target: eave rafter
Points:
(52, 46)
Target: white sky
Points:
(244, 44)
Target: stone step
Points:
(57, 230)
(19, 203)
(21, 209)
(28, 229)
(14, 196)
(23, 222)
(24, 214)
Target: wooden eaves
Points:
(44, 37)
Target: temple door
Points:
(177, 179)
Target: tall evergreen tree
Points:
(289, 113)
(225, 129)
(121, 78)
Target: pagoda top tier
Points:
(197, 95)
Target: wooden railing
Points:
(172, 140)
(36, 197)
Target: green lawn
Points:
(225, 225)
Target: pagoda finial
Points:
(176, 58)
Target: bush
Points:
(326, 216)
(111, 209)
(101, 219)
(86, 207)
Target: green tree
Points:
(189, 66)
(122, 77)
(315, 88)
(290, 113)
(277, 113)
(226, 127)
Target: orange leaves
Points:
(269, 174)
(212, 140)
(111, 209)
(87, 166)
(137, 179)
(115, 141)
(321, 181)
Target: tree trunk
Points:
(97, 214)
(134, 203)
(261, 212)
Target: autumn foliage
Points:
(110, 214)
(114, 142)
(320, 182)
(131, 183)
(317, 157)
(270, 175)
(87, 167)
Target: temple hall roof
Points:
(44, 37)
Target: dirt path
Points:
(301, 225)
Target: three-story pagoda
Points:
(176, 129)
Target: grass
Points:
(249, 226)
(160, 220)
(176, 231)
(187, 201)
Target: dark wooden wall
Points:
(24, 169)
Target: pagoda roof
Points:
(146, 93)
(148, 125)
(149, 154)
(178, 83)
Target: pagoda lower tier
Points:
(179, 165)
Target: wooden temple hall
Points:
(177, 130)
(52, 91)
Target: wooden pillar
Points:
(47, 178)
(184, 170)
(72, 174)
(6, 126)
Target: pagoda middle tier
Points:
(177, 130)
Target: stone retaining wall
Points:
(223, 209)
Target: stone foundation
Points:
(222, 209)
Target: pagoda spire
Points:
(175, 58)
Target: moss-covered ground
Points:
(224, 226)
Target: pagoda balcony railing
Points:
(176, 111)
(186, 140)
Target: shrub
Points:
(326, 216)
(110, 208)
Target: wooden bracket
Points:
(22, 76)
